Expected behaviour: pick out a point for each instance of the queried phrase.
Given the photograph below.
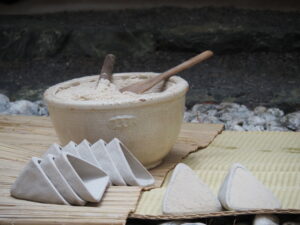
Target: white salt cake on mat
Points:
(106, 163)
(86, 179)
(243, 191)
(33, 184)
(60, 183)
(187, 194)
(266, 220)
(130, 168)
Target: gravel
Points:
(234, 116)
(22, 107)
(240, 118)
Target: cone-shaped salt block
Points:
(59, 182)
(243, 191)
(71, 148)
(187, 194)
(54, 149)
(86, 153)
(86, 179)
(106, 163)
(266, 219)
(33, 184)
(132, 171)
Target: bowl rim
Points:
(178, 90)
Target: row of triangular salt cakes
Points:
(61, 179)
(113, 158)
(76, 174)
(187, 194)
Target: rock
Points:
(211, 112)
(252, 127)
(277, 128)
(273, 123)
(203, 107)
(291, 223)
(4, 103)
(208, 119)
(195, 120)
(180, 223)
(49, 42)
(256, 120)
(275, 112)
(242, 114)
(237, 121)
(268, 117)
(23, 107)
(228, 105)
(42, 108)
(266, 220)
(172, 223)
(193, 224)
(243, 108)
(237, 128)
(260, 109)
(226, 117)
(240, 118)
(234, 116)
(188, 116)
(292, 121)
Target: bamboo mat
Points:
(273, 157)
(22, 137)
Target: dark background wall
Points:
(256, 48)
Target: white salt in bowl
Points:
(147, 124)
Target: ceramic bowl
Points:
(148, 126)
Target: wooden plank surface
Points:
(22, 137)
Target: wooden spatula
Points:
(143, 86)
(107, 68)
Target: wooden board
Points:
(22, 137)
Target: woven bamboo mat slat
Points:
(192, 137)
(26, 121)
(22, 137)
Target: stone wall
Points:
(257, 58)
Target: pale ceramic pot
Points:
(148, 127)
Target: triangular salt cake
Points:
(34, 185)
(86, 179)
(130, 168)
(187, 194)
(106, 163)
(86, 153)
(243, 191)
(71, 148)
(54, 149)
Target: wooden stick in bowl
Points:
(143, 86)
(107, 68)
